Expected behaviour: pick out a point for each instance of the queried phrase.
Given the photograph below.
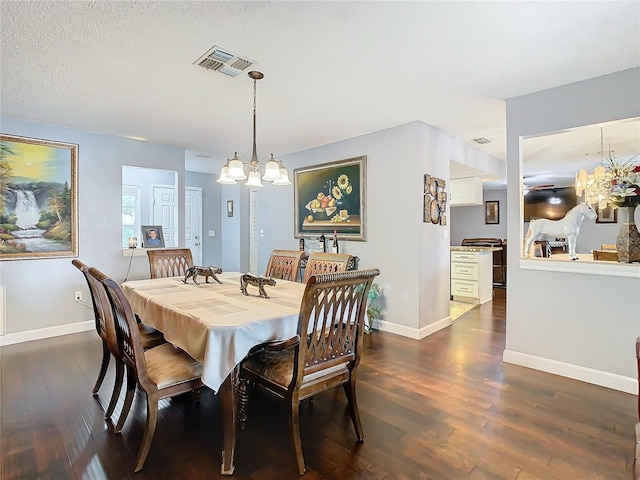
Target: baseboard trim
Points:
(48, 332)
(577, 372)
(409, 332)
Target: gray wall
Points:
(413, 256)
(39, 292)
(468, 222)
(582, 324)
(211, 215)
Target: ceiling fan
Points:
(534, 188)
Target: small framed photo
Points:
(492, 212)
(152, 236)
(607, 214)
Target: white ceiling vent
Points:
(481, 140)
(220, 60)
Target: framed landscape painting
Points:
(38, 198)
(329, 197)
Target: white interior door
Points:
(165, 212)
(193, 222)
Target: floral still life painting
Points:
(38, 210)
(331, 197)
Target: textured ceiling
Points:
(333, 70)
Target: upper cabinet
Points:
(465, 191)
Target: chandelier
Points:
(233, 169)
(596, 185)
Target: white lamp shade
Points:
(271, 170)
(254, 180)
(224, 177)
(284, 178)
(236, 169)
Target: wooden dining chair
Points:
(150, 336)
(636, 461)
(169, 262)
(638, 372)
(284, 264)
(332, 311)
(161, 372)
(319, 263)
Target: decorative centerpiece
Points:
(193, 272)
(617, 183)
(256, 281)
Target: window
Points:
(130, 213)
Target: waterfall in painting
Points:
(26, 211)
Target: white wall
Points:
(39, 292)
(581, 326)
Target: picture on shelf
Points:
(152, 235)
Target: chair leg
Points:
(117, 387)
(149, 429)
(243, 400)
(106, 355)
(352, 403)
(128, 400)
(294, 428)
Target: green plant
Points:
(373, 313)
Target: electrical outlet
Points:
(77, 296)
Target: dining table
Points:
(217, 325)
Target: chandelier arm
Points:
(254, 157)
(274, 170)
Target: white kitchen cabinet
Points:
(465, 191)
(472, 274)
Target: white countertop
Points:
(458, 248)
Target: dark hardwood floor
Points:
(443, 408)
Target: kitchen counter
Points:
(458, 248)
(471, 275)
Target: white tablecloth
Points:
(215, 323)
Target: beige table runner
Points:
(215, 323)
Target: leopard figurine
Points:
(256, 281)
(206, 271)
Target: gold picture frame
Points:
(38, 198)
(331, 196)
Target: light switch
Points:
(212, 233)
(445, 234)
(261, 233)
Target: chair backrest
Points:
(284, 264)
(84, 269)
(127, 333)
(98, 310)
(320, 263)
(331, 321)
(101, 307)
(169, 262)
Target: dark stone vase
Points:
(628, 239)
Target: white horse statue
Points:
(568, 227)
